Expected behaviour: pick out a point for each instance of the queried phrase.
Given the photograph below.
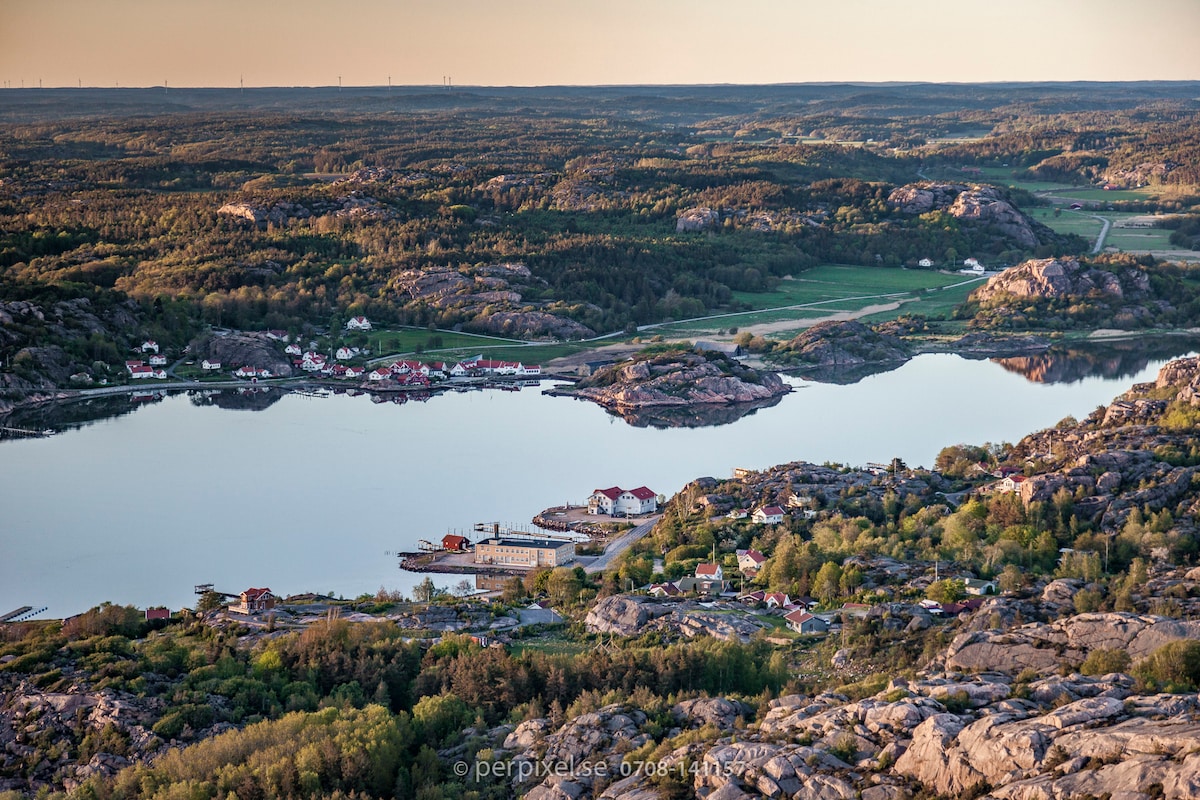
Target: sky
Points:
(587, 42)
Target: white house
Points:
(354, 372)
(157, 360)
(278, 335)
(979, 587)
(292, 349)
(149, 346)
(159, 374)
(247, 371)
(209, 364)
(617, 501)
(709, 572)
(141, 371)
(380, 374)
(459, 370)
(358, 324)
(529, 369)
(768, 515)
(1012, 483)
(345, 353)
(925, 262)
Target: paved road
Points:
(621, 545)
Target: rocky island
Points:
(677, 379)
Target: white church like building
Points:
(618, 502)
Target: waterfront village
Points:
(720, 595)
(399, 374)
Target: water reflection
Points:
(1114, 359)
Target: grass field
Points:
(1003, 176)
(1098, 194)
(1068, 222)
(1128, 239)
(837, 282)
(409, 340)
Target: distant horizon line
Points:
(449, 89)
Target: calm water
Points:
(312, 493)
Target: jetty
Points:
(26, 432)
(21, 614)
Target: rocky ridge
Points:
(1128, 454)
(948, 733)
(843, 345)
(678, 378)
(488, 298)
(983, 204)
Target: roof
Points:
(772, 511)
(753, 555)
(707, 569)
(778, 597)
(454, 540)
(642, 493)
(611, 493)
(253, 594)
(798, 617)
(541, 544)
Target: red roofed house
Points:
(358, 324)
(768, 515)
(380, 374)
(777, 600)
(529, 369)
(711, 571)
(149, 346)
(158, 613)
(354, 372)
(1012, 483)
(616, 501)
(157, 360)
(604, 501)
(141, 372)
(210, 364)
(803, 622)
(129, 365)
(456, 543)
(750, 560)
(254, 601)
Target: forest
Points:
(288, 209)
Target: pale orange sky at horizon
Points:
(206, 43)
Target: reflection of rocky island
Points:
(698, 416)
(250, 398)
(679, 382)
(59, 416)
(1119, 359)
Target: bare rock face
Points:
(716, 711)
(846, 344)
(1051, 278)
(682, 379)
(983, 204)
(1044, 646)
(697, 219)
(624, 616)
(247, 349)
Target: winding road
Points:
(619, 546)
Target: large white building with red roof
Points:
(616, 501)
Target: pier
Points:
(26, 432)
(21, 614)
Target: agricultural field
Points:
(842, 282)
